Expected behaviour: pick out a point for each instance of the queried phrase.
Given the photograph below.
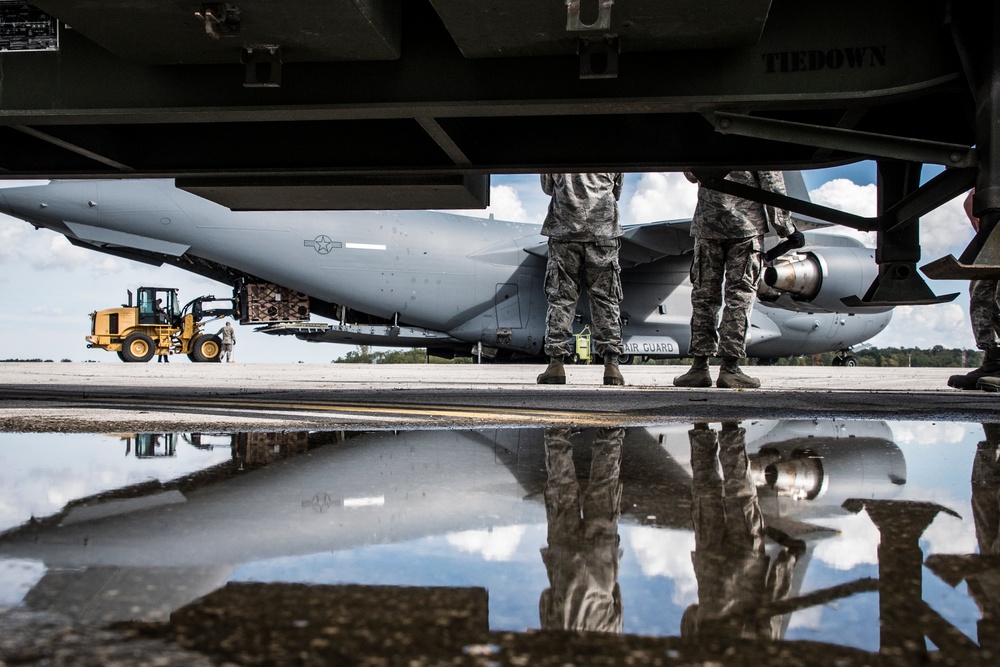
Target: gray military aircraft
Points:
(451, 283)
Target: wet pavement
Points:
(752, 541)
(114, 396)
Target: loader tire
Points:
(138, 348)
(206, 347)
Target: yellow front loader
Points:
(157, 324)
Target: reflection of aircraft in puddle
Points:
(374, 488)
(804, 469)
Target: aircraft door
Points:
(508, 307)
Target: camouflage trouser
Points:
(596, 263)
(985, 312)
(582, 555)
(739, 262)
(730, 562)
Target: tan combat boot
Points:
(990, 368)
(555, 373)
(697, 375)
(612, 376)
(731, 377)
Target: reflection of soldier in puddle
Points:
(582, 555)
(735, 575)
(985, 586)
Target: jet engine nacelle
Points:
(817, 279)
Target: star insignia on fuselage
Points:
(321, 244)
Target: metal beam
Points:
(864, 144)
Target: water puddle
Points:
(830, 540)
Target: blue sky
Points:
(50, 287)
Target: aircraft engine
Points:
(822, 276)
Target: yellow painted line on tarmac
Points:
(430, 411)
(426, 411)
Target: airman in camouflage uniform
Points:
(984, 310)
(727, 232)
(583, 229)
(582, 555)
(735, 575)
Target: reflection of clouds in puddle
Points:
(666, 553)
(929, 433)
(856, 545)
(17, 577)
(42, 472)
(499, 544)
(810, 618)
(858, 541)
(947, 534)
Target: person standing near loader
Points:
(583, 227)
(228, 336)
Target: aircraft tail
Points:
(795, 186)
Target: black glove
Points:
(794, 240)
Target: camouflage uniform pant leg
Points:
(739, 262)
(596, 264)
(743, 266)
(741, 503)
(602, 275)
(984, 310)
(706, 297)
(603, 495)
(562, 291)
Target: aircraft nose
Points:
(4, 206)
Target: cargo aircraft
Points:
(454, 284)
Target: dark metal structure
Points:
(261, 104)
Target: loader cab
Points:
(158, 305)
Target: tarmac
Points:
(93, 397)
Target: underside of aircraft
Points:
(387, 104)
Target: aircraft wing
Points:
(647, 242)
(643, 243)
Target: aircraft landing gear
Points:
(845, 359)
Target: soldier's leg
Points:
(985, 315)
(602, 276)
(562, 492)
(743, 267)
(706, 299)
(743, 515)
(707, 268)
(602, 497)
(562, 291)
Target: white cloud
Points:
(662, 196)
(923, 433)
(947, 534)
(856, 545)
(845, 195)
(666, 553)
(499, 544)
(926, 326)
(945, 230)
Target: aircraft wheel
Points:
(838, 361)
(625, 359)
(851, 361)
(206, 347)
(138, 347)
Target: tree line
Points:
(887, 357)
